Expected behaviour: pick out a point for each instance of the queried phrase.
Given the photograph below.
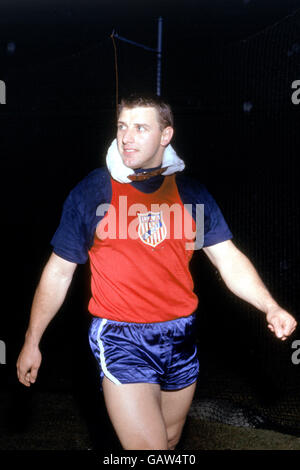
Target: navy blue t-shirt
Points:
(75, 233)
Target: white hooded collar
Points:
(120, 172)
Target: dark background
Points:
(227, 70)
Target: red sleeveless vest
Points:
(140, 257)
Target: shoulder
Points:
(191, 190)
(93, 188)
(93, 180)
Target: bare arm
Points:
(242, 279)
(48, 298)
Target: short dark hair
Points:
(165, 115)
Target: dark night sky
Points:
(79, 21)
(216, 59)
(54, 28)
(61, 91)
(61, 86)
(217, 66)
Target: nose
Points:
(128, 136)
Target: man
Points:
(134, 223)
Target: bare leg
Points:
(135, 412)
(175, 406)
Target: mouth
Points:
(128, 152)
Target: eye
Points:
(141, 128)
(121, 127)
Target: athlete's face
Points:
(141, 142)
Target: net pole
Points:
(159, 54)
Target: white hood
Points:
(120, 172)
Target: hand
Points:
(28, 364)
(281, 323)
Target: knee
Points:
(172, 443)
(173, 439)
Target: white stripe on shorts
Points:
(102, 357)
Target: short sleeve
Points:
(194, 193)
(216, 228)
(69, 240)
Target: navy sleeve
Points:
(192, 192)
(69, 240)
(216, 228)
(75, 233)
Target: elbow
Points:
(60, 268)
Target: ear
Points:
(166, 136)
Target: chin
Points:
(132, 165)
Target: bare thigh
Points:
(136, 414)
(146, 417)
(175, 407)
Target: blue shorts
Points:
(163, 353)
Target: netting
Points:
(243, 128)
(248, 376)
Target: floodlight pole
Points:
(159, 54)
(158, 51)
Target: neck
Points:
(147, 170)
(142, 174)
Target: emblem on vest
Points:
(152, 229)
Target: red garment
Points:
(139, 259)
